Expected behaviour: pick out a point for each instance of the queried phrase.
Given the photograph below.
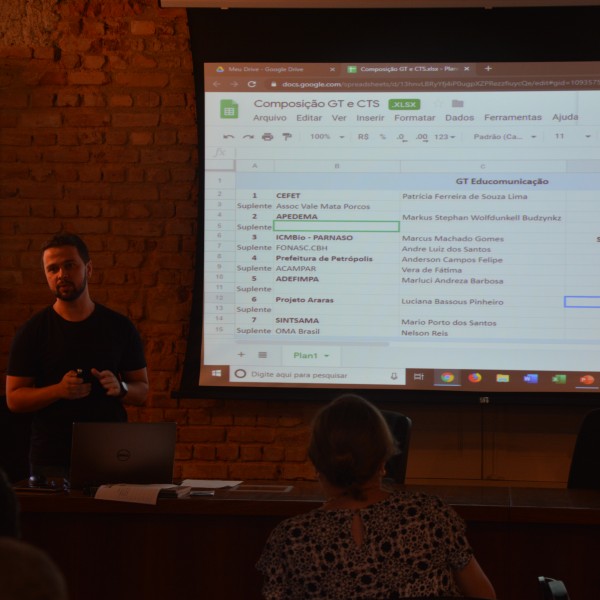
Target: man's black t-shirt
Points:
(47, 347)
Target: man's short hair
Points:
(28, 573)
(68, 239)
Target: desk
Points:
(206, 547)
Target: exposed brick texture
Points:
(98, 136)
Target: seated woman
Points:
(367, 542)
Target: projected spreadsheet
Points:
(343, 245)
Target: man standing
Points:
(73, 361)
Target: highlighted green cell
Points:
(330, 226)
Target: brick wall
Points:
(98, 136)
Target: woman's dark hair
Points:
(350, 442)
(68, 239)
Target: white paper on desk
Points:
(129, 492)
(211, 484)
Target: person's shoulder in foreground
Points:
(9, 509)
(28, 573)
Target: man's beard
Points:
(71, 293)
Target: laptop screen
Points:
(122, 453)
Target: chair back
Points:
(552, 589)
(400, 425)
(585, 463)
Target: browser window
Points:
(421, 225)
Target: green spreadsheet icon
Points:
(229, 109)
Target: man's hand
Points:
(108, 381)
(74, 387)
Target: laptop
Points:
(104, 453)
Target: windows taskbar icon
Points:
(447, 377)
(507, 380)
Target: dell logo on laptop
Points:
(123, 454)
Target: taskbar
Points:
(468, 380)
(473, 380)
